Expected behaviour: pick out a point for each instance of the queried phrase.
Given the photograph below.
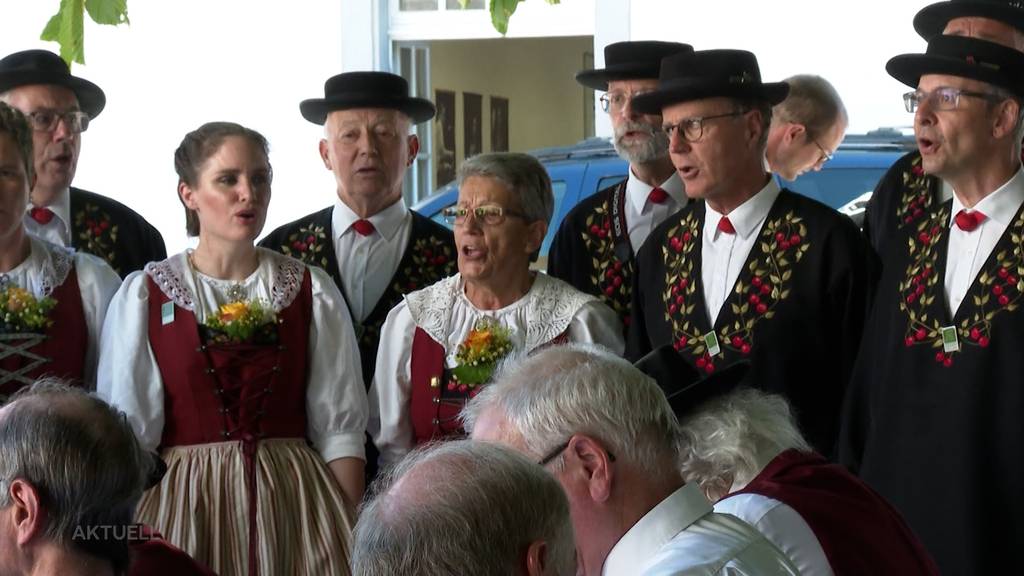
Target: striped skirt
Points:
(202, 506)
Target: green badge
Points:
(949, 340)
(711, 341)
(167, 313)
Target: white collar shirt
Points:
(366, 264)
(682, 535)
(58, 230)
(968, 251)
(642, 215)
(723, 255)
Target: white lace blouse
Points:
(442, 310)
(48, 266)
(129, 377)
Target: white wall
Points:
(848, 43)
(186, 62)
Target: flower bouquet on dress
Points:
(241, 322)
(478, 355)
(22, 312)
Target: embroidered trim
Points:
(96, 234)
(916, 196)
(56, 266)
(287, 280)
(759, 288)
(307, 245)
(611, 277)
(169, 276)
(1001, 282)
(552, 304)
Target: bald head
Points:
(465, 507)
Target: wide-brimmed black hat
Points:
(709, 74)
(43, 67)
(366, 90)
(965, 57)
(932, 19)
(686, 387)
(631, 61)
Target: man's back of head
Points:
(465, 507)
(71, 473)
(807, 126)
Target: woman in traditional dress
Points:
(231, 360)
(52, 300)
(443, 342)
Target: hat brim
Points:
(316, 109)
(932, 19)
(908, 69)
(91, 98)
(598, 79)
(685, 387)
(688, 90)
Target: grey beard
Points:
(654, 149)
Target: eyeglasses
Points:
(693, 128)
(825, 154)
(561, 448)
(46, 120)
(489, 214)
(614, 102)
(944, 98)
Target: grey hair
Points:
(462, 507)
(522, 174)
(583, 389)
(765, 111)
(1018, 127)
(82, 457)
(728, 440)
(813, 103)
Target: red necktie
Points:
(658, 196)
(725, 226)
(41, 215)
(968, 221)
(363, 227)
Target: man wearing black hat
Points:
(933, 417)
(375, 248)
(60, 107)
(907, 191)
(752, 272)
(596, 243)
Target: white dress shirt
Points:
(442, 310)
(642, 215)
(723, 255)
(43, 271)
(129, 376)
(367, 263)
(682, 535)
(968, 250)
(782, 526)
(58, 230)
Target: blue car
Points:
(845, 183)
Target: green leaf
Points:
(501, 11)
(109, 12)
(66, 27)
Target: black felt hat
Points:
(631, 61)
(932, 19)
(44, 67)
(709, 74)
(965, 57)
(686, 387)
(366, 90)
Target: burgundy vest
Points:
(238, 392)
(435, 409)
(858, 530)
(63, 348)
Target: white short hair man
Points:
(607, 434)
(807, 127)
(465, 507)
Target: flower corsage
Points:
(242, 322)
(478, 355)
(20, 311)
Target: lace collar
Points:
(46, 268)
(551, 305)
(174, 278)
